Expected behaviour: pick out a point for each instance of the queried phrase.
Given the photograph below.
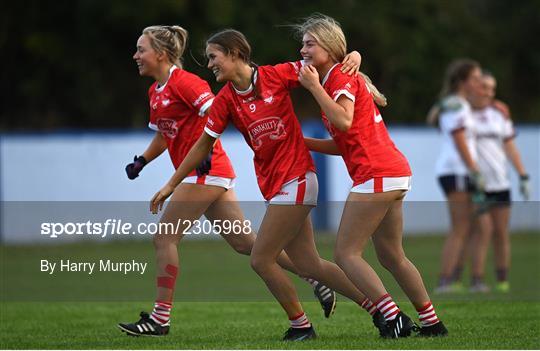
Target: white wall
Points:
(425, 208)
(90, 167)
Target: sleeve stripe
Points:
(211, 133)
(153, 126)
(205, 107)
(344, 92)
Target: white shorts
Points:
(227, 183)
(299, 191)
(383, 185)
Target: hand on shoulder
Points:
(502, 108)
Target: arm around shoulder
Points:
(324, 146)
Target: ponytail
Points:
(378, 97)
(171, 40)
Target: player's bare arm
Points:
(339, 113)
(351, 63)
(323, 146)
(514, 156)
(194, 157)
(157, 146)
(463, 150)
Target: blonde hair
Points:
(329, 35)
(171, 40)
(378, 97)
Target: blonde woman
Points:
(179, 103)
(257, 101)
(380, 173)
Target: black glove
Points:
(133, 169)
(205, 165)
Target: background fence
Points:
(89, 167)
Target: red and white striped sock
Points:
(369, 306)
(427, 315)
(388, 307)
(312, 282)
(300, 321)
(162, 313)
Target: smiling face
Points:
(485, 95)
(221, 64)
(148, 60)
(473, 85)
(313, 53)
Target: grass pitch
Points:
(222, 304)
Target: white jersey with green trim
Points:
(455, 115)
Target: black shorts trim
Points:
(456, 183)
(498, 198)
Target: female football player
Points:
(494, 133)
(179, 102)
(380, 173)
(256, 100)
(457, 167)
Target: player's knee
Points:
(158, 242)
(342, 257)
(259, 264)
(390, 261)
(161, 241)
(460, 232)
(242, 248)
(499, 233)
(386, 262)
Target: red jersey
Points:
(269, 125)
(177, 110)
(366, 147)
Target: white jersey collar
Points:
(328, 74)
(250, 88)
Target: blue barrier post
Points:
(315, 129)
